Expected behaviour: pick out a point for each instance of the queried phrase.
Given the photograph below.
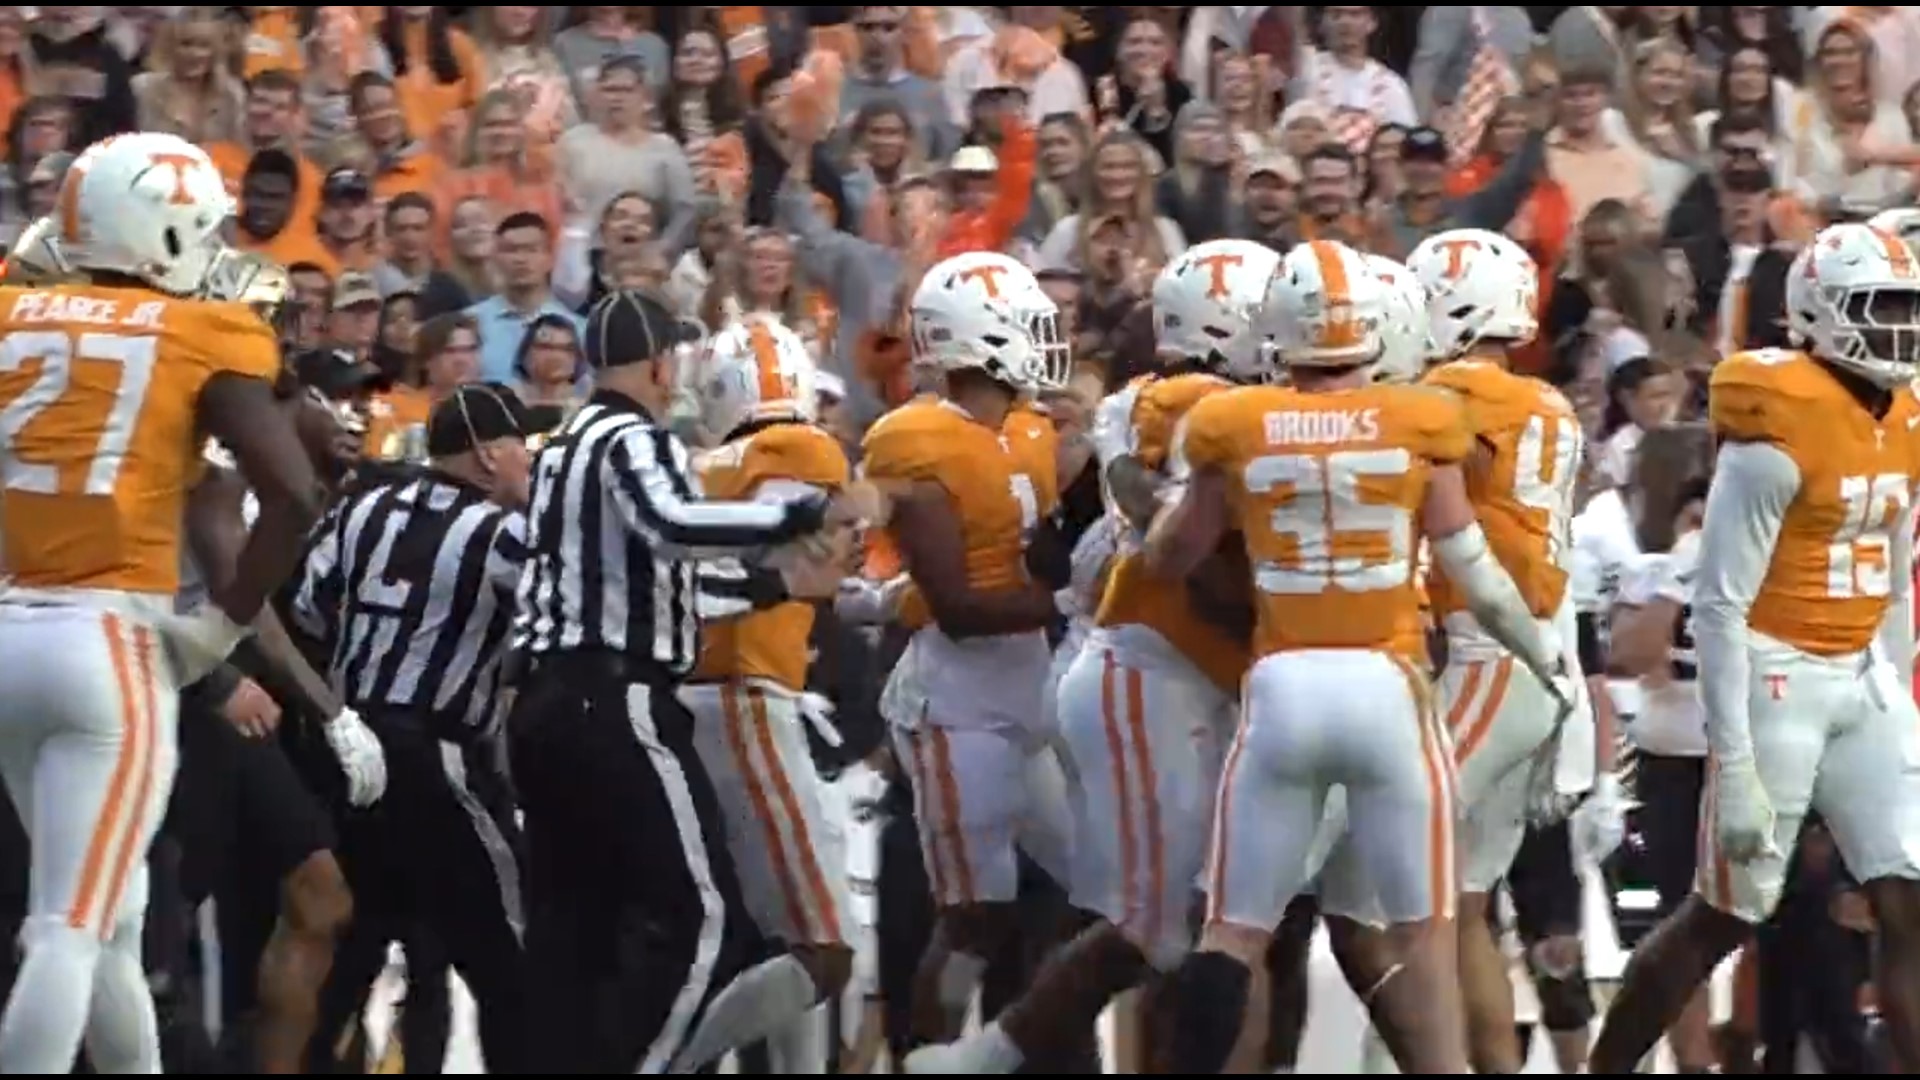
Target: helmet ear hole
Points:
(172, 239)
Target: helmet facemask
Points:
(1877, 329)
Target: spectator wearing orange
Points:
(190, 92)
(273, 41)
(446, 356)
(270, 200)
(438, 73)
(498, 163)
(402, 162)
(516, 56)
(270, 120)
(16, 63)
(1424, 206)
(990, 193)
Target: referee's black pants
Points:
(439, 852)
(635, 920)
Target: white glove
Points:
(361, 758)
(201, 641)
(1600, 824)
(1742, 813)
(817, 711)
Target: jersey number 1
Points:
(105, 415)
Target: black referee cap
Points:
(473, 415)
(630, 326)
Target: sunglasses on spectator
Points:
(877, 26)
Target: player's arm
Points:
(217, 534)
(930, 534)
(1190, 527)
(1753, 484)
(242, 412)
(1896, 629)
(1460, 548)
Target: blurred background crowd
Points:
(451, 185)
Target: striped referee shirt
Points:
(412, 585)
(623, 554)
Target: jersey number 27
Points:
(79, 399)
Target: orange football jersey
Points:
(397, 425)
(993, 492)
(1522, 487)
(98, 442)
(1827, 587)
(1035, 445)
(769, 644)
(1134, 597)
(1326, 489)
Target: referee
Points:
(637, 935)
(413, 587)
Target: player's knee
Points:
(1560, 981)
(53, 937)
(315, 899)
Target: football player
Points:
(108, 389)
(1131, 705)
(965, 701)
(1506, 731)
(1805, 558)
(1330, 481)
(756, 390)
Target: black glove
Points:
(805, 516)
(1049, 555)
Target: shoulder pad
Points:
(1761, 396)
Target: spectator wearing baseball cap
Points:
(348, 233)
(1270, 202)
(353, 320)
(1423, 206)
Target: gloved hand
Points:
(200, 642)
(816, 710)
(1742, 813)
(1600, 824)
(1545, 803)
(360, 756)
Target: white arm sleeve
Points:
(1896, 630)
(1494, 599)
(1753, 483)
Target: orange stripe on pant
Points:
(93, 872)
(132, 848)
(1713, 873)
(1150, 800)
(815, 879)
(1440, 794)
(762, 809)
(1468, 741)
(949, 794)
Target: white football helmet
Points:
(1480, 286)
(1853, 299)
(1324, 308)
(985, 311)
(1406, 344)
(148, 205)
(1205, 302)
(756, 370)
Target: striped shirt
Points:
(411, 583)
(624, 555)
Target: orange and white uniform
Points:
(1326, 489)
(99, 388)
(1521, 486)
(967, 714)
(746, 695)
(1143, 709)
(1804, 558)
